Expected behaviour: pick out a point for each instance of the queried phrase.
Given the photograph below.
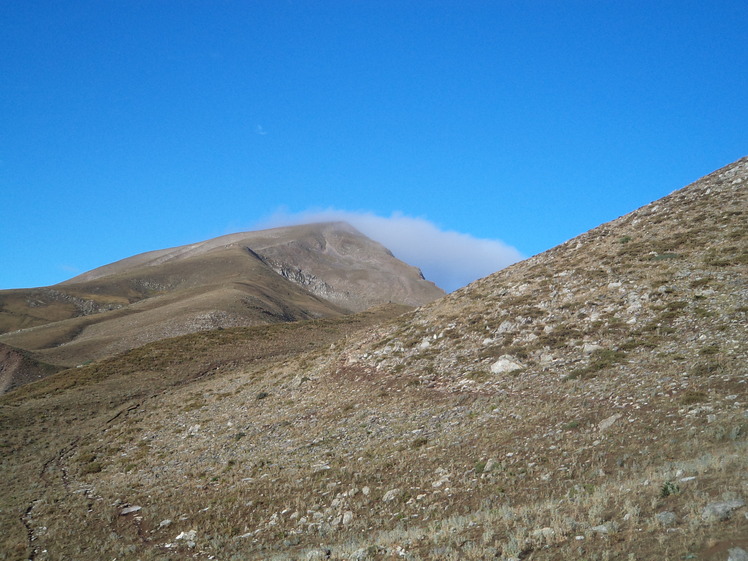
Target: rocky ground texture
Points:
(588, 403)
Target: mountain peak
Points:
(281, 274)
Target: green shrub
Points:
(669, 488)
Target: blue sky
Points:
(128, 126)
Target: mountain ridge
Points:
(282, 274)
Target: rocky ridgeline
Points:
(670, 276)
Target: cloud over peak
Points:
(448, 258)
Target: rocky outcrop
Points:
(18, 368)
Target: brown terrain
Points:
(587, 403)
(283, 274)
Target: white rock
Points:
(505, 326)
(607, 423)
(505, 364)
(391, 495)
(189, 536)
(130, 510)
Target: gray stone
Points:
(318, 554)
(737, 554)
(188, 536)
(665, 518)
(605, 424)
(589, 348)
(721, 510)
(362, 554)
(391, 495)
(130, 510)
(544, 533)
(505, 364)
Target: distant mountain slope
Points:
(284, 274)
(332, 260)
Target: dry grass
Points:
(374, 438)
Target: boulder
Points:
(721, 510)
(506, 364)
(665, 518)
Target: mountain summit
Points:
(269, 276)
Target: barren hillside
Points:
(588, 403)
(283, 274)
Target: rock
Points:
(347, 517)
(299, 381)
(589, 348)
(607, 528)
(361, 554)
(737, 554)
(318, 554)
(391, 495)
(164, 523)
(665, 518)
(505, 326)
(490, 464)
(607, 423)
(721, 510)
(189, 536)
(130, 510)
(505, 364)
(543, 533)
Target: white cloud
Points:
(449, 259)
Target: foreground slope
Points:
(588, 403)
(283, 274)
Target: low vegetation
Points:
(584, 404)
